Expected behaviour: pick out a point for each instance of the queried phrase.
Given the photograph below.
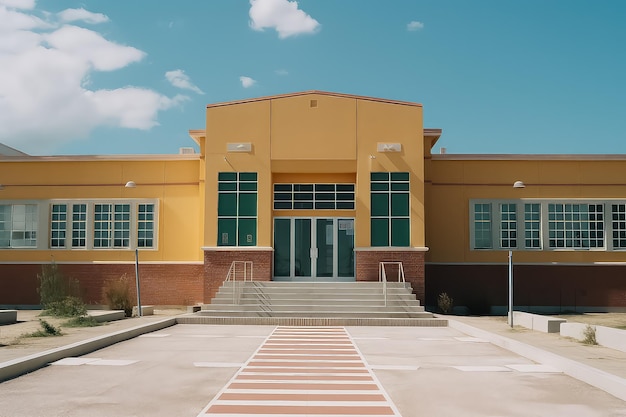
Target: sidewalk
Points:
(596, 365)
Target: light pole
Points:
(516, 184)
(132, 184)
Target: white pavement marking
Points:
(534, 368)
(482, 368)
(471, 339)
(111, 362)
(395, 367)
(74, 361)
(218, 365)
(154, 335)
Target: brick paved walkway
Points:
(302, 371)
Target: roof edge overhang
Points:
(87, 158)
(317, 92)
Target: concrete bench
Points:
(145, 311)
(605, 336)
(537, 322)
(102, 316)
(8, 316)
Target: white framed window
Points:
(314, 196)
(98, 224)
(542, 224)
(18, 225)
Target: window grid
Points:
(482, 226)
(145, 225)
(237, 209)
(102, 227)
(121, 226)
(79, 225)
(532, 226)
(314, 196)
(58, 225)
(18, 225)
(390, 212)
(508, 225)
(575, 225)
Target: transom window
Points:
(313, 196)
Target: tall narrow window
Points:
(532, 225)
(79, 225)
(145, 225)
(102, 226)
(58, 225)
(390, 215)
(121, 226)
(482, 226)
(508, 225)
(237, 209)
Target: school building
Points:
(319, 186)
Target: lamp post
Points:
(516, 184)
(132, 184)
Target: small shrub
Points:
(51, 285)
(118, 295)
(589, 335)
(82, 321)
(445, 303)
(67, 307)
(47, 329)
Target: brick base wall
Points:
(554, 288)
(217, 263)
(160, 284)
(367, 263)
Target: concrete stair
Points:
(311, 303)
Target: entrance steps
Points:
(315, 303)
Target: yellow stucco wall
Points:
(452, 183)
(328, 137)
(172, 183)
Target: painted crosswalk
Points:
(303, 371)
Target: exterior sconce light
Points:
(131, 184)
(519, 184)
(389, 147)
(239, 147)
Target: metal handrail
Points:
(232, 277)
(382, 276)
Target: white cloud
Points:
(414, 25)
(179, 79)
(247, 82)
(45, 99)
(281, 15)
(72, 15)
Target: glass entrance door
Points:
(314, 249)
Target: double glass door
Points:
(314, 248)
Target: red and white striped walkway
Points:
(303, 371)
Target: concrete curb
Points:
(16, 367)
(605, 381)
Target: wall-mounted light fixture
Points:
(239, 147)
(519, 184)
(131, 184)
(389, 147)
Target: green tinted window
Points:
(380, 232)
(380, 204)
(400, 232)
(247, 204)
(399, 204)
(379, 176)
(226, 232)
(227, 204)
(247, 176)
(227, 176)
(247, 232)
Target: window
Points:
(121, 226)
(313, 196)
(390, 220)
(508, 225)
(145, 226)
(79, 225)
(58, 225)
(547, 224)
(482, 226)
(237, 209)
(575, 225)
(18, 225)
(532, 224)
(102, 227)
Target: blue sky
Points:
(125, 77)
